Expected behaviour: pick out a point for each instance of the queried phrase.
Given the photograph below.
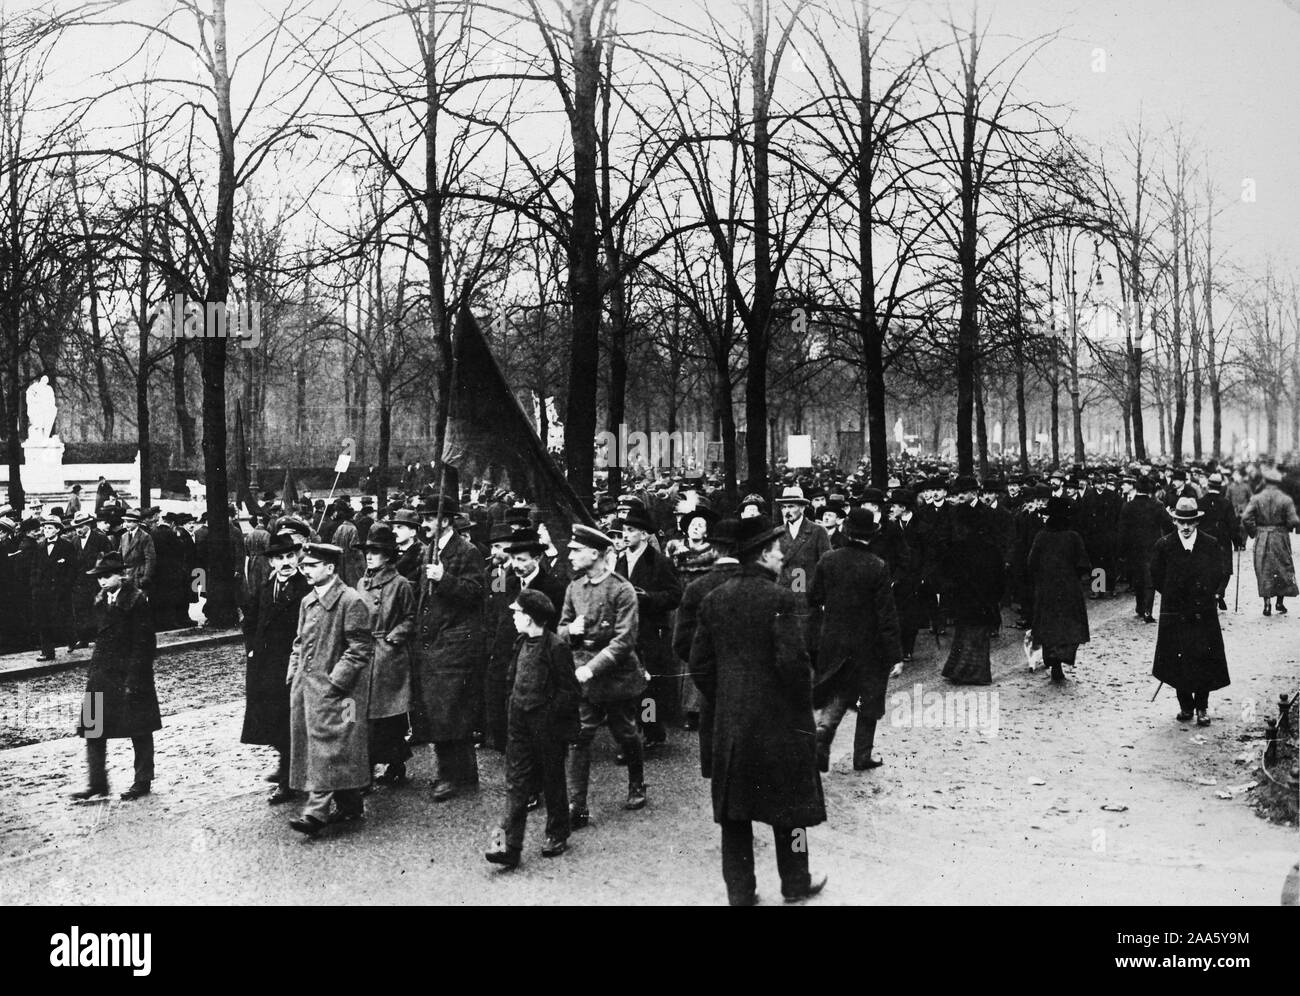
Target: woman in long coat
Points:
(974, 570)
(392, 606)
(120, 697)
(1056, 561)
(1269, 518)
(1189, 643)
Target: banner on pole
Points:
(798, 451)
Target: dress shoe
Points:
(815, 886)
(1148, 618)
(137, 791)
(498, 853)
(867, 765)
(1202, 718)
(443, 790)
(394, 774)
(1268, 609)
(1223, 605)
(307, 824)
(635, 796)
(554, 847)
(281, 794)
(578, 818)
(750, 900)
(1057, 673)
(89, 793)
(1281, 609)
(1183, 717)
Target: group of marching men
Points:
(408, 632)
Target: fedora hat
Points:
(83, 519)
(281, 544)
(792, 495)
(1187, 510)
(405, 517)
(108, 563)
(1271, 475)
(755, 532)
(501, 533)
(133, 515)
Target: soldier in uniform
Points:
(599, 621)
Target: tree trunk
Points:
(221, 604)
(180, 401)
(967, 330)
(583, 253)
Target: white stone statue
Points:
(41, 409)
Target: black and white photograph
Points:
(606, 453)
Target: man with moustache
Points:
(270, 626)
(410, 551)
(90, 544)
(803, 543)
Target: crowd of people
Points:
(455, 620)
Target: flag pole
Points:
(442, 456)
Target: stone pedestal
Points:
(43, 466)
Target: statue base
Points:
(43, 466)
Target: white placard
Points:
(799, 451)
(345, 459)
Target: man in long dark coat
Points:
(858, 645)
(53, 562)
(1142, 522)
(1221, 522)
(120, 699)
(1057, 562)
(750, 661)
(270, 625)
(90, 544)
(450, 657)
(658, 593)
(1186, 569)
(725, 567)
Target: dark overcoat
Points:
(85, 587)
(913, 583)
(1189, 643)
(802, 551)
(1142, 521)
(270, 625)
(1056, 561)
(52, 582)
(972, 567)
(859, 640)
(658, 594)
(750, 659)
(410, 563)
(1219, 519)
(688, 616)
(450, 657)
(121, 667)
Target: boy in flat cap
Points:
(543, 717)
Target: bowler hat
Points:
(501, 533)
(525, 541)
(429, 505)
(108, 563)
(861, 524)
(638, 520)
(963, 484)
(902, 496)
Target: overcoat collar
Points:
(329, 595)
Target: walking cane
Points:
(1158, 687)
(1236, 599)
